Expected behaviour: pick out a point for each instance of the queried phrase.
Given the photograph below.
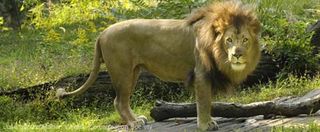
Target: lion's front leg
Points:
(203, 99)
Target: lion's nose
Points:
(237, 55)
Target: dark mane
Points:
(214, 19)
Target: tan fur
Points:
(170, 49)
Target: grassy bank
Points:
(53, 115)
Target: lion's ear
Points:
(218, 36)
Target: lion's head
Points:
(239, 46)
(227, 38)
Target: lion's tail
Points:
(93, 75)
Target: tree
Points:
(10, 11)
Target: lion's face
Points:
(237, 43)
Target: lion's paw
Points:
(143, 119)
(210, 126)
(139, 124)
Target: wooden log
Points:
(285, 106)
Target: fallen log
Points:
(285, 106)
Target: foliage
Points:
(2, 27)
(284, 34)
(290, 45)
(84, 11)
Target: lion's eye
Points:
(229, 40)
(245, 40)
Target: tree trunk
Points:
(9, 10)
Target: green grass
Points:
(58, 116)
(311, 127)
(61, 44)
(291, 86)
(52, 115)
(27, 59)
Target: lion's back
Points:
(163, 46)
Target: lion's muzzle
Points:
(238, 66)
(238, 62)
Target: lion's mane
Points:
(208, 23)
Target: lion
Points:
(217, 44)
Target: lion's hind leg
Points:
(124, 82)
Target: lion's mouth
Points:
(237, 66)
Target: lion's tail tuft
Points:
(61, 92)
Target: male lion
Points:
(218, 44)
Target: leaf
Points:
(1, 20)
(22, 8)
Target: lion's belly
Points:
(176, 71)
(168, 60)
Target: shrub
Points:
(285, 38)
